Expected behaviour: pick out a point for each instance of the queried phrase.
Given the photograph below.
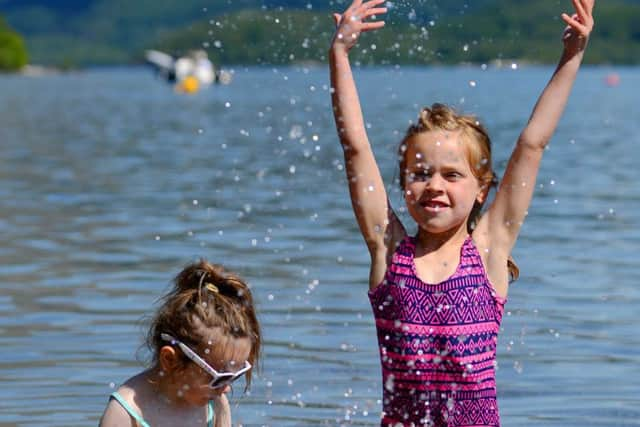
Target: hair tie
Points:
(211, 287)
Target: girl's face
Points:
(225, 354)
(440, 188)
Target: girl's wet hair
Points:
(206, 299)
(477, 145)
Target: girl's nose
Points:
(434, 183)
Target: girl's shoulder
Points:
(122, 406)
(135, 383)
(132, 391)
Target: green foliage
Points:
(525, 32)
(68, 52)
(257, 37)
(246, 32)
(13, 54)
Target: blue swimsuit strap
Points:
(210, 415)
(142, 422)
(129, 409)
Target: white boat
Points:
(190, 72)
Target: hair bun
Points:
(206, 300)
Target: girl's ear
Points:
(482, 194)
(168, 358)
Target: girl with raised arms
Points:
(203, 337)
(438, 297)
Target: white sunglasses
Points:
(220, 379)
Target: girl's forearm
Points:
(347, 111)
(551, 104)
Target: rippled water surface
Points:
(110, 183)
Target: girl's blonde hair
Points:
(477, 146)
(204, 298)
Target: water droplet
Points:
(295, 132)
(389, 383)
(517, 366)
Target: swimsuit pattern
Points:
(437, 343)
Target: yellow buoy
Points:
(189, 84)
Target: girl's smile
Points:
(434, 206)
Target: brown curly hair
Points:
(192, 309)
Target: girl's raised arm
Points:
(507, 212)
(368, 195)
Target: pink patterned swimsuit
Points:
(437, 343)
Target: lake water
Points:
(110, 182)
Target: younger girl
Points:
(438, 297)
(203, 338)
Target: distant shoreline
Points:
(39, 70)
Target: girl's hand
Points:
(351, 23)
(579, 26)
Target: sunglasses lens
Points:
(223, 381)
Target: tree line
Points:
(523, 31)
(289, 31)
